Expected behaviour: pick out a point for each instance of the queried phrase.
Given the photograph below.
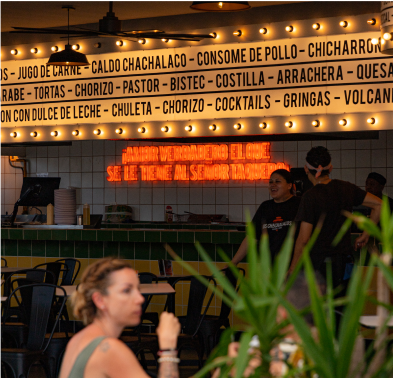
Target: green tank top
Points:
(78, 370)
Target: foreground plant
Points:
(329, 351)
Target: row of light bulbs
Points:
(315, 26)
(35, 50)
(237, 33)
(189, 128)
(97, 45)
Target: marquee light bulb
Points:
(164, 129)
(237, 33)
(76, 47)
(220, 4)
(371, 120)
(343, 122)
(97, 132)
(55, 48)
(263, 125)
(97, 45)
(316, 123)
(375, 41)
(237, 126)
(142, 41)
(166, 40)
(119, 43)
(316, 26)
(34, 50)
(75, 133)
(213, 34)
(344, 24)
(34, 134)
(14, 52)
(263, 31)
(188, 128)
(14, 134)
(213, 127)
(141, 130)
(289, 28)
(54, 133)
(289, 124)
(388, 36)
(119, 131)
(372, 21)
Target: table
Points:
(147, 289)
(69, 289)
(372, 321)
(156, 289)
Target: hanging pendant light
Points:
(220, 6)
(68, 56)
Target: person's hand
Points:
(255, 361)
(168, 330)
(233, 349)
(361, 241)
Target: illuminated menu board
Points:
(313, 75)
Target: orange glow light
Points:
(203, 162)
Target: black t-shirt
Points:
(329, 199)
(276, 218)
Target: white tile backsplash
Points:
(363, 159)
(83, 165)
(379, 157)
(122, 195)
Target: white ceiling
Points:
(50, 13)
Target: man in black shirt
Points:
(328, 198)
(375, 184)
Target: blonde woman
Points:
(108, 299)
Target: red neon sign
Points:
(202, 162)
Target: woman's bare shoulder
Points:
(113, 358)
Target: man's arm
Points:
(301, 241)
(374, 203)
(241, 252)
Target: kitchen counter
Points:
(142, 241)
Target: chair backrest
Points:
(31, 274)
(69, 275)
(225, 309)
(55, 268)
(39, 298)
(147, 278)
(3, 262)
(198, 290)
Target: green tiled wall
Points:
(129, 244)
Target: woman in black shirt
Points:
(274, 216)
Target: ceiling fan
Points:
(110, 26)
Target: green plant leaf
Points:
(282, 260)
(243, 357)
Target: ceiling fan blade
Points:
(50, 31)
(38, 30)
(192, 36)
(143, 31)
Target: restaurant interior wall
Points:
(83, 165)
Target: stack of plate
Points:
(65, 206)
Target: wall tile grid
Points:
(83, 165)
